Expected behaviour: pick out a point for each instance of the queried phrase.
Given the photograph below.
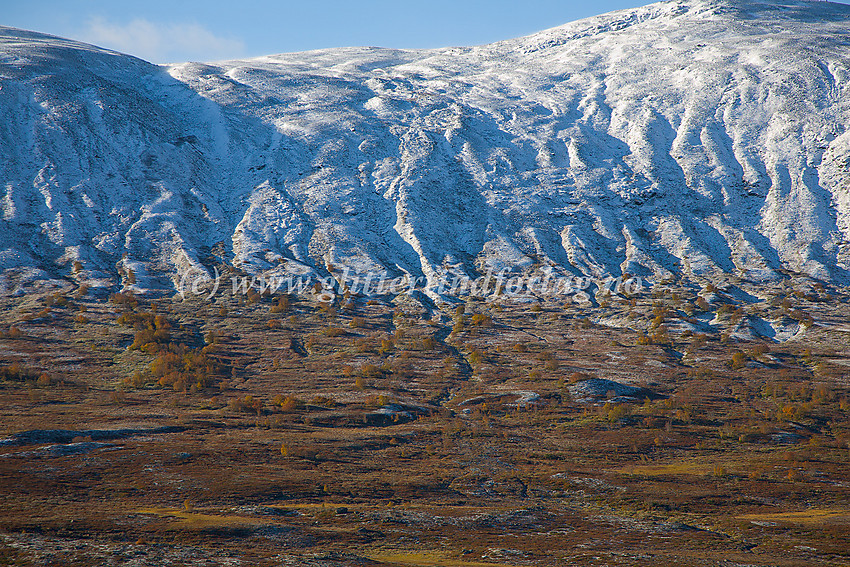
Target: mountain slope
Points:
(700, 138)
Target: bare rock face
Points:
(595, 390)
(701, 138)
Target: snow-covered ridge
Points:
(701, 138)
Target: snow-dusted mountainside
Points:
(706, 138)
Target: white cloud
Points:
(162, 43)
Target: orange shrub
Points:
(248, 404)
(281, 305)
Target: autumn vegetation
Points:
(363, 423)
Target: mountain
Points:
(704, 139)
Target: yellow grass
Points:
(197, 520)
(697, 468)
(813, 516)
(427, 559)
(700, 469)
(432, 508)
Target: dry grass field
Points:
(277, 430)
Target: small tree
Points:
(739, 359)
(476, 357)
(281, 305)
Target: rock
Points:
(594, 390)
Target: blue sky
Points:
(177, 30)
